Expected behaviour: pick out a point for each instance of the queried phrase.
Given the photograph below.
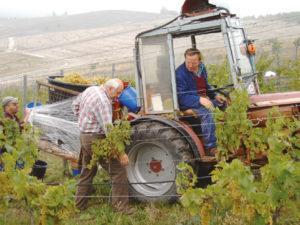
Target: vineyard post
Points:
(24, 90)
(66, 168)
(113, 70)
(35, 90)
(31, 217)
(297, 44)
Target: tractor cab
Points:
(160, 137)
(160, 51)
(160, 141)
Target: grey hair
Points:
(112, 83)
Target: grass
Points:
(150, 214)
(99, 211)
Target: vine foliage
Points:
(47, 204)
(236, 196)
(114, 144)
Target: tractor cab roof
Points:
(186, 26)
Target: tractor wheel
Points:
(154, 153)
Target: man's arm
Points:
(76, 105)
(104, 114)
(212, 94)
(26, 115)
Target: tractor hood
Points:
(275, 99)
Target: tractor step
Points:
(208, 159)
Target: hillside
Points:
(34, 26)
(92, 42)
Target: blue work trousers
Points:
(207, 124)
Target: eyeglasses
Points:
(192, 63)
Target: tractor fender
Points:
(177, 126)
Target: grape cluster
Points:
(73, 78)
(76, 78)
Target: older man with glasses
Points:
(94, 110)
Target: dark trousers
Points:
(207, 124)
(117, 173)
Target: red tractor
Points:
(160, 136)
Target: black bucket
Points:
(39, 169)
(70, 86)
(59, 95)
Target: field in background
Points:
(101, 43)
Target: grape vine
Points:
(47, 204)
(114, 144)
(236, 195)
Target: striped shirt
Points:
(93, 108)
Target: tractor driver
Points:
(193, 93)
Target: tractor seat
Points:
(190, 117)
(189, 112)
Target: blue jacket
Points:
(188, 97)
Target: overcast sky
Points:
(15, 8)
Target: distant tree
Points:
(165, 11)
(297, 44)
(276, 47)
(93, 66)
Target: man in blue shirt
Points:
(194, 93)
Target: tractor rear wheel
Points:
(154, 153)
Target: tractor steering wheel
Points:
(222, 90)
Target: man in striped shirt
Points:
(94, 110)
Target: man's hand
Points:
(27, 111)
(26, 114)
(124, 160)
(206, 103)
(220, 98)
